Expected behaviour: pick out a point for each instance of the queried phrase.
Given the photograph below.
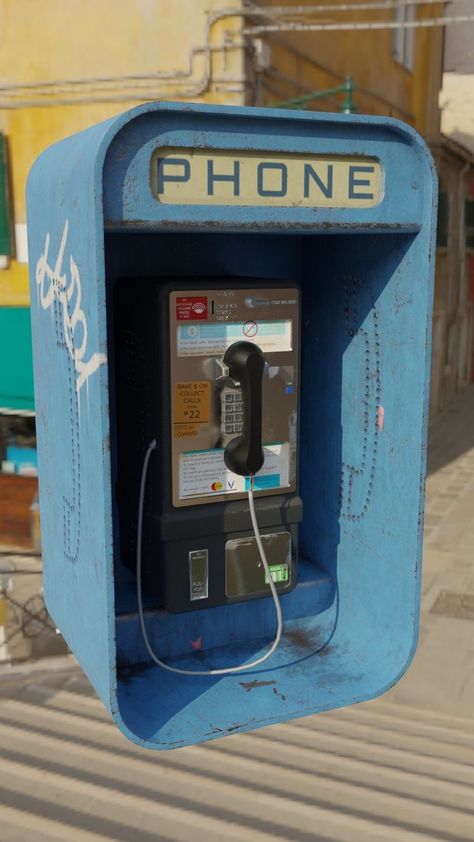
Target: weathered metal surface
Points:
(367, 298)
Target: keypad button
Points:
(229, 396)
(238, 417)
(228, 428)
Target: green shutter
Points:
(469, 223)
(16, 359)
(443, 220)
(5, 210)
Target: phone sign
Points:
(189, 308)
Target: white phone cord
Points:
(243, 667)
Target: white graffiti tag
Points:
(53, 284)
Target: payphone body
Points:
(200, 550)
(303, 222)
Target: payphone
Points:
(226, 417)
(232, 307)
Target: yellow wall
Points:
(66, 64)
(314, 61)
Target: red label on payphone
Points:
(191, 307)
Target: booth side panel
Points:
(71, 397)
(364, 493)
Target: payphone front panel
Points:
(207, 405)
(199, 548)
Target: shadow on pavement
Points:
(451, 434)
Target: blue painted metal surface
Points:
(367, 283)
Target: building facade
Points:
(453, 352)
(453, 316)
(64, 66)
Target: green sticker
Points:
(279, 573)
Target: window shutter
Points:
(6, 239)
(469, 223)
(443, 220)
(16, 378)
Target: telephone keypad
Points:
(232, 415)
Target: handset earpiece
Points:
(244, 454)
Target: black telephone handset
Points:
(244, 454)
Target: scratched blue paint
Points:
(351, 624)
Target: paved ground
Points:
(442, 675)
(398, 769)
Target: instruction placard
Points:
(213, 338)
(204, 472)
(192, 404)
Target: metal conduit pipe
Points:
(355, 26)
(62, 84)
(202, 85)
(208, 49)
(15, 88)
(137, 91)
(376, 5)
(196, 90)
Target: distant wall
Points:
(452, 358)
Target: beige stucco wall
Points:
(457, 107)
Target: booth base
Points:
(201, 640)
(308, 674)
(202, 632)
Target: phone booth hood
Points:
(357, 237)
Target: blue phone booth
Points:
(206, 275)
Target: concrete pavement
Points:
(441, 676)
(397, 769)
